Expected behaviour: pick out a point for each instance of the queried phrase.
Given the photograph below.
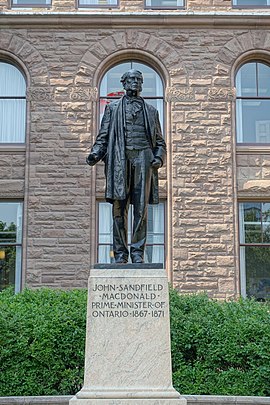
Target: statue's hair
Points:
(126, 75)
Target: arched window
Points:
(253, 103)
(110, 89)
(12, 104)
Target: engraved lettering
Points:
(138, 300)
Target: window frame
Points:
(164, 7)
(242, 262)
(95, 6)
(10, 144)
(27, 5)
(17, 271)
(251, 98)
(240, 6)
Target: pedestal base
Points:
(128, 356)
(131, 401)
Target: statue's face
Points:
(133, 82)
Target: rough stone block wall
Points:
(199, 179)
(130, 5)
(12, 174)
(253, 174)
(202, 178)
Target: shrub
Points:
(218, 348)
(42, 342)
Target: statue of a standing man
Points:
(131, 144)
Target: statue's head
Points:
(132, 81)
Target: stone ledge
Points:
(191, 400)
(133, 19)
(225, 400)
(128, 266)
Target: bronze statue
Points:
(130, 143)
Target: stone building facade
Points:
(63, 52)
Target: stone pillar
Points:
(128, 356)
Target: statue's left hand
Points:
(92, 159)
(156, 163)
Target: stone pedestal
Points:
(128, 358)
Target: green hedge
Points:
(42, 336)
(218, 348)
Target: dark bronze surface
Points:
(130, 143)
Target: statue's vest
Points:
(135, 133)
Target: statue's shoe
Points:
(137, 259)
(121, 260)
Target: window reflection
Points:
(31, 2)
(258, 271)
(254, 227)
(253, 103)
(99, 3)
(12, 104)
(164, 3)
(111, 88)
(10, 244)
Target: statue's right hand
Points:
(92, 159)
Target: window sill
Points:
(253, 148)
(12, 147)
(97, 6)
(164, 8)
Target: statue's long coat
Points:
(110, 147)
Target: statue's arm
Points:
(160, 147)
(99, 149)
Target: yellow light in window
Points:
(2, 254)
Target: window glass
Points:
(85, 3)
(154, 252)
(266, 222)
(10, 244)
(246, 81)
(257, 261)
(12, 104)
(263, 80)
(252, 223)
(253, 103)
(111, 88)
(255, 249)
(12, 83)
(253, 124)
(251, 2)
(164, 3)
(31, 2)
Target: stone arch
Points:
(238, 47)
(126, 44)
(21, 51)
(258, 55)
